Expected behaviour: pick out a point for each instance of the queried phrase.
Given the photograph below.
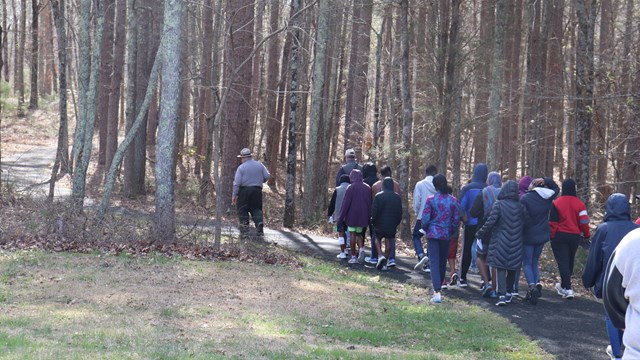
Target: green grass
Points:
(71, 306)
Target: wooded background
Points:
(172, 90)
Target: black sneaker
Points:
(502, 300)
(260, 230)
(534, 295)
(463, 283)
(454, 279)
(508, 298)
(382, 261)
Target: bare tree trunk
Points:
(600, 133)
(86, 121)
(357, 78)
(33, 98)
(130, 111)
(19, 80)
(407, 118)
(236, 108)
(584, 95)
(513, 89)
(5, 48)
(487, 19)
(62, 152)
(530, 109)
(497, 72)
(290, 184)
(116, 81)
(313, 189)
(449, 91)
(1, 65)
(625, 113)
(205, 103)
(555, 86)
(164, 224)
(273, 122)
(104, 84)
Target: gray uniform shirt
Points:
(250, 173)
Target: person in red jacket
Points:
(569, 226)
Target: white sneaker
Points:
(562, 292)
(568, 294)
(353, 260)
(437, 298)
(610, 353)
(342, 256)
(420, 263)
(361, 255)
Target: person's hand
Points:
(234, 199)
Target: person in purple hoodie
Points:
(355, 213)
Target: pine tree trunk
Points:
(584, 95)
(164, 224)
(236, 124)
(625, 112)
(555, 84)
(273, 122)
(62, 151)
(19, 80)
(104, 85)
(5, 48)
(497, 72)
(116, 81)
(407, 117)
(513, 89)
(130, 110)
(484, 52)
(33, 97)
(87, 117)
(313, 189)
(357, 92)
(290, 183)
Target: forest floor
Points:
(567, 329)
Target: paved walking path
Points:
(569, 329)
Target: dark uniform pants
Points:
(249, 201)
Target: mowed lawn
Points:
(92, 306)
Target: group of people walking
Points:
(506, 225)
(506, 222)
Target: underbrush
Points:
(29, 223)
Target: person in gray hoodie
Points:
(334, 211)
(616, 224)
(537, 231)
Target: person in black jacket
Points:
(505, 223)
(386, 214)
(617, 223)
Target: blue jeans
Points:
(615, 337)
(530, 262)
(417, 239)
(438, 251)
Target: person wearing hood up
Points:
(468, 195)
(616, 224)
(440, 218)
(505, 226)
(537, 201)
(386, 214)
(334, 211)
(481, 209)
(370, 177)
(523, 185)
(355, 212)
(569, 224)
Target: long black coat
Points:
(386, 212)
(506, 224)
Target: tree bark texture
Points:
(584, 95)
(497, 72)
(33, 96)
(115, 85)
(236, 107)
(273, 124)
(311, 204)
(164, 224)
(407, 118)
(104, 84)
(290, 183)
